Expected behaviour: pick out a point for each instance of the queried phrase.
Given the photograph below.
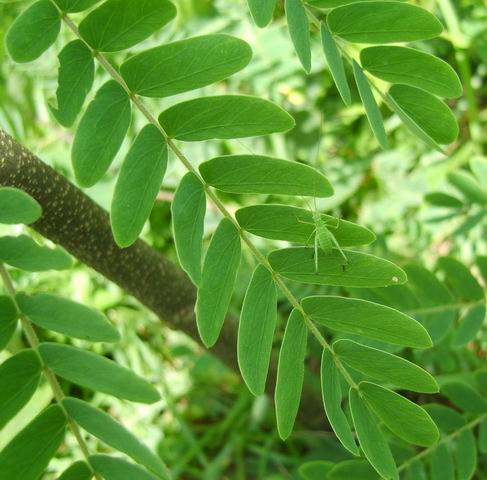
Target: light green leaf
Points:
(28, 454)
(120, 24)
(256, 329)
(362, 270)
(464, 397)
(315, 470)
(113, 468)
(33, 31)
(466, 455)
(138, 184)
(293, 224)
(16, 206)
(385, 367)
(160, 71)
(469, 326)
(468, 186)
(22, 252)
(19, 378)
(483, 436)
(100, 133)
(412, 67)
(478, 165)
(75, 79)
(106, 429)
(224, 117)
(371, 108)
(290, 373)
(440, 199)
(298, 24)
(188, 216)
(429, 113)
(371, 439)
(442, 467)
(461, 280)
(260, 174)
(352, 469)
(371, 320)
(77, 471)
(262, 11)
(67, 317)
(74, 6)
(332, 400)
(335, 64)
(97, 373)
(383, 22)
(403, 417)
(8, 320)
(217, 281)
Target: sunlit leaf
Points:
(113, 468)
(262, 11)
(16, 206)
(74, 6)
(440, 199)
(468, 186)
(77, 471)
(298, 25)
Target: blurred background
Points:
(208, 426)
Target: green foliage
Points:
(299, 30)
(18, 207)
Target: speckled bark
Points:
(74, 221)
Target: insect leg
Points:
(339, 248)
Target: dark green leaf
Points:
(290, 373)
(466, 455)
(22, 252)
(67, 317)
(77, 471)
(28, 454)
(315, 470)
(97, 373)
(352, 469)
(469, 326)
(371, 320)
(442, 467)
(362, 270)
(446, 419)
(483, 436)
(260, 174)
(439, 199)
(100, 133)
(75, 79)
(464, 397)
(113, 468)
(412, 67)
(217, 281)
(74, 6)
(225, 116)
(160, 71)
(385, 367)
(256, 329)
(19, 378)
(469, 186)
(8, 320)
(262, 11)
(120, 24)
(33, 31)
(371, 108)
(383, 22)
(462, 282)
(17, 206)
(332, 400)
(106, 429)
(298, 25)
(138, 184)
(188, 216)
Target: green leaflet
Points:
(290, 373)
(464, 397)
(298, 25)
(224, 116)
(326, 4)
(335, 64)
(217, 281)
(440, 199)
(412, 67)
(371, 439)
(262, 11)
(113, 468)
(284, 222)
(403, 417)
(8, 320)
(442, 467)
(469, 326)
(75, 79)
(371, 320)
(315, 470)
(352, 469)
(138, 184)
(416, 471)
(188, 217)
(429, 113)
(120, 24)
(332, 400)
(447, 419)
(28, 454)
(16, 206)
(106, 429)
(77, 471)
(97, 373)
(261, 174)
(256, 329)
(64, 316)
(74, 6)
(478, 165)
(185, 65)
(385, 367)
(468, 186)
(461, 281)
(466, 455)
(363, 270)
(33, 31)
(383, 22)
(22, 252)
(100, 133)
(371, 108)
(483, 436)
(19, 378)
